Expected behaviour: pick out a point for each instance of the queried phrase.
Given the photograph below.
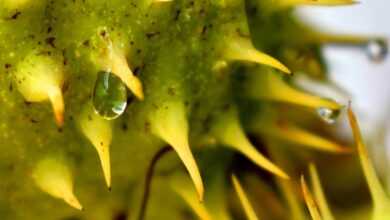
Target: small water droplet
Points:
(328, 115)
(377, 50)
(109, 96)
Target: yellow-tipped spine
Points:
(57, 102)
(287, 187)
(268, 85)
(112, 58)
(228, 131)
(169, 123)
(182, 187)
(378, 194)
(99, 132)
(249, 211)
(53, 176)
(120, 67)
(242, 49)
(319, 193)
(290, 3)
(40, 78)
(294, 134)
(310, 203)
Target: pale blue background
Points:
(368, 82)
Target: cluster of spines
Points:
(40, 78)
(316, 203)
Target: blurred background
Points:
(367, 82)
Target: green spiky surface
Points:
(175, 49)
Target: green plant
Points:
(133, 77)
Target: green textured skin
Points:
(173, 46)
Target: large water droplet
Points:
(109, 96)
(328, 115)
(377, 49)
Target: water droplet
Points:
(109, 96)
(328, 115)
(377, 50)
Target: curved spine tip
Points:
(319, 193)
(170, 124)
(290, 3)
(229, 132)
(112, 59)
(191, 197)
(57, 102)
(120, 67)
(99, 132)
(292, 133)
(274, 88)
(310, 203)
(40, 78)
(378, 194)
(54, 177)
(240, 48)
(248, 209)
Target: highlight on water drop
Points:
(328, 115)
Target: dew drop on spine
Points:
(376, 49)
(328, 115)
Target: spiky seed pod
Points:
(132, 78)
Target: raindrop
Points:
(109, 95)
(377, 50)
(328, 115)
